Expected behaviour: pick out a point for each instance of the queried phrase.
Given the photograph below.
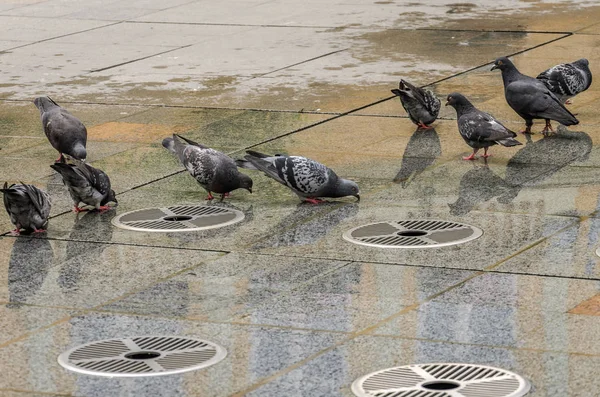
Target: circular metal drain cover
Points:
(180, 218)
(413, 234)
(142, 356)
(441, 380)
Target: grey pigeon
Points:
(64, 131)
(305, 177)
(214, 171)
(567, 79)
(28, 207)
(421, 105)
(479, 129)
(531, 99)
(86, 185)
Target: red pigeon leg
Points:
(313, 200)
(485, 155)
(547, 129)
(472, 156)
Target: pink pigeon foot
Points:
(225, 195)
(568, 102)
(485, 153)
(313, 200)
(209, 197)
(16, 232)
(471, 157)
(103, 208)
(424, 126)
(547, 129)
(77, 210)
(39, 230)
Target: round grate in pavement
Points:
(142, 356)
(179, 218)
(419, 233)
(441, 380)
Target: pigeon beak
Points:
(357, 197)
(494, 67)
(249, 189)
(447, 103)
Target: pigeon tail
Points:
(508, 142)
(245, 164)
(258, 154)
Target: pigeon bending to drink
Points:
(86, 185)
(28, 207)
(567, 79)
(64, 131)
(531, 99)
(479, 129)
(215, 171)
(421, 105)
(305, 177)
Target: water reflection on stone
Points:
(307, 224)
(92, 226)
(422, 150)
(534, 163)
(30, 260)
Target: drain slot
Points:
(420, 233)
(142, 356)
(180, 218)
(434, 380)
(412, 233)
(440, 385)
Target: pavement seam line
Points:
(139, 59)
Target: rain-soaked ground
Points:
(301, 311)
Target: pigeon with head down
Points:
(214, 171)
(479, 129)
(421, 105)
(65, 132)
(27, 206)
(86, 185)
(305, 177)
(567, 79)
(531, 99)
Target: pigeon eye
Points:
(499, 62)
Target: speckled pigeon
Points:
(421, 105)
(214, 171)
(567, 79)
(64, 131)
(531, 99)
(28, 207)
(86, 185)
(479, 129)
(305, 177)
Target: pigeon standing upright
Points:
(28, 207)
(305, 177)
(64, 131)
(531, 99)
(214, 171)
(479, 129)
(567, 79)
(421, 105)
(86, 185)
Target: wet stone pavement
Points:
(300, 310)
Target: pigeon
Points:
(86, 185)
(28, 207)
(421, 105)
(531, 99)
(64, 131)
(214, 171)
(305, 177)
(479, 129)
(567, 79)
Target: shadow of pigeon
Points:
(307, 224)
(421, 151)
